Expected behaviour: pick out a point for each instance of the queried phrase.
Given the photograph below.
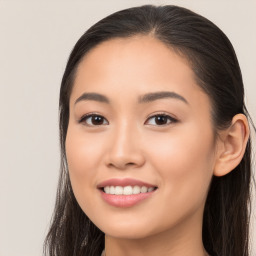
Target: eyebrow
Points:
(93, 96)
(160, 95)
(146, 98)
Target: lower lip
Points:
(125, 200)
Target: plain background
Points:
(36, 38)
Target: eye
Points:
(161, 120)
(93, 120)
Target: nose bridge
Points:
(123, 139)
(125, 148)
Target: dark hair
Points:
(213, 60)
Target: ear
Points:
(231, 145)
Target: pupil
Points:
(97, 120)
(161, 120)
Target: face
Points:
(137, 113)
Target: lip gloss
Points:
(125, 200)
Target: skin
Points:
(180, 157)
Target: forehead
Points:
(135, 65)
(138, 53)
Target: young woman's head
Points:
(152, 102)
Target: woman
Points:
(155, 140)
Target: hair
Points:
(227, 210)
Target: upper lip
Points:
(124, 182)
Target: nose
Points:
(125, 149)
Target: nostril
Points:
(130, 164)
(121, 165)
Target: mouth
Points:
(127, 190)
(126, 186)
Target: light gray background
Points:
(36, 38)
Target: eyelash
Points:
(169, 118)
(83, 118)
(87, 116)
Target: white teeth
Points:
(136, 190)
(127, 190)
(150, 189)
(119, 190)
(112, 190)
(107, 189)
(143, 189)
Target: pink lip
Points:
(124, 200)
(124, 182)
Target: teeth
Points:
(136, 190)
(143, 189)
(119, 190)
(112, 190)
(127, 190)
(107, 190)
(150, 189)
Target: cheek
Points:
(184, 160)
(83, 158)
(83, 152)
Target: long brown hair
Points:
(213, 60)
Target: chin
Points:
(126, 235)
(126, 231)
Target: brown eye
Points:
(161, 119)
(93, 120)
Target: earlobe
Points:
(231, 145)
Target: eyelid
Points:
(169, 116)
(88, 115)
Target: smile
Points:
(125, 192)
(125, 200)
